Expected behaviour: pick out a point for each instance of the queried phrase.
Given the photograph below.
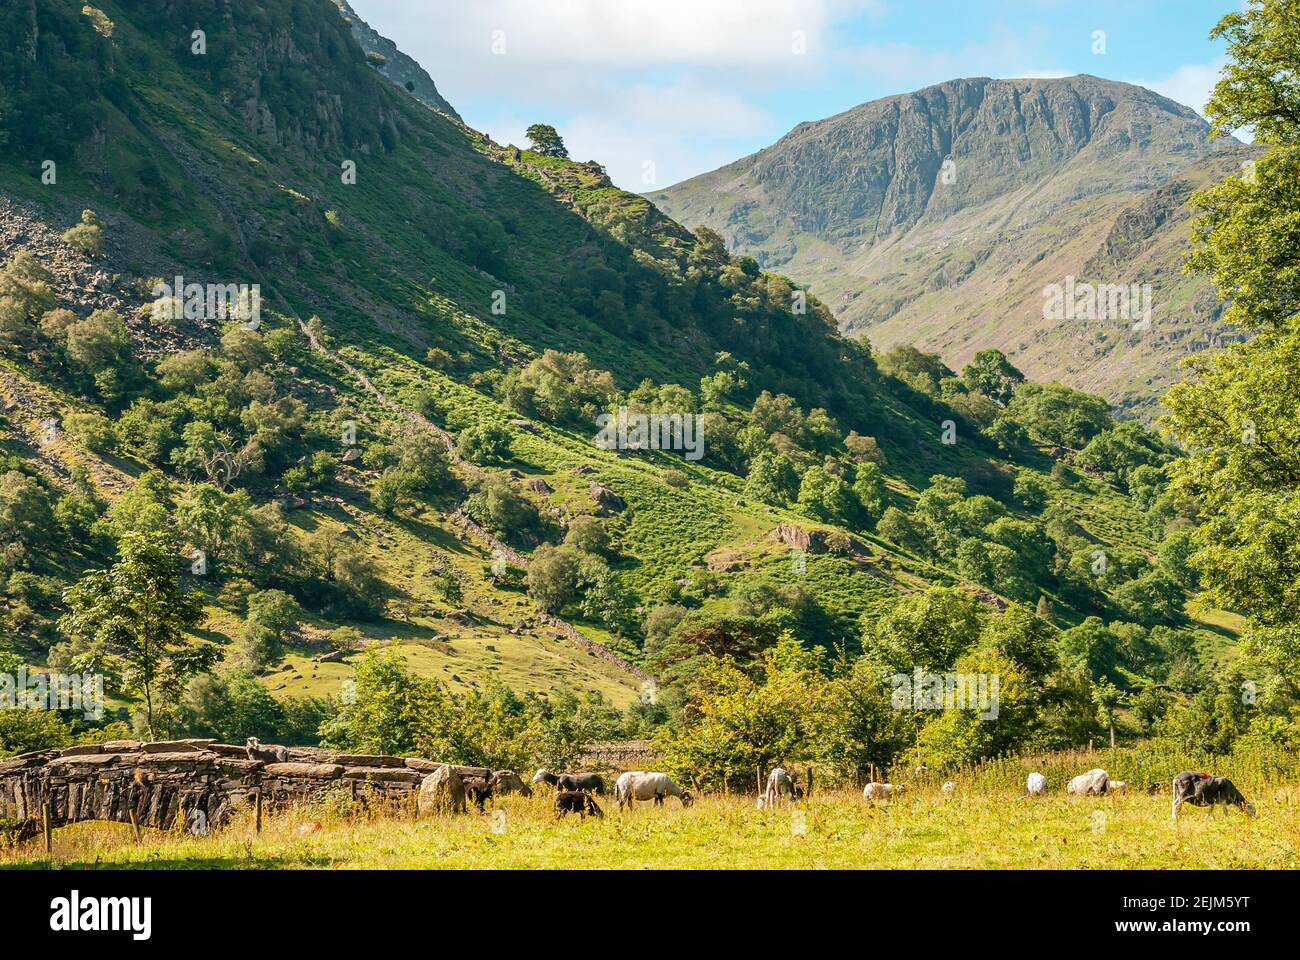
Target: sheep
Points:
(1117, 786)
(1036, 785)
(779, 786)
(881, 791)
(1090, 784)
(271, 753)
(948, 787)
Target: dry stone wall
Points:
(194, 784)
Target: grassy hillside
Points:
(415, 425)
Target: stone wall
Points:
(193, 784)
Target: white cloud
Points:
(1190, 85)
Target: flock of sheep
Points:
(1198, 789)
(576, 792)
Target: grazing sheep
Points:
(948, 787)
(1036, 785)
(1117, 786)
(1203, 790)
(576, 801)
(1090, 784)
(271, 753)
(572, 781)
(881, 791)
(647, 785)
(478, 790)
(779, 786)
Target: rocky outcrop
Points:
(606, 499)
(819, 541)
(396, 67)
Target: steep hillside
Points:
(938, 217)
(400, 451)
(394, 64)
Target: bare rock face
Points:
(606, 498)
(441, 792)
(539, 486)
(819, 541)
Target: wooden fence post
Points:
(135, 823)
(259, 810)
(49, 832)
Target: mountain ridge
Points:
(907, 212)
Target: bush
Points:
(484, 444)
(92, 429)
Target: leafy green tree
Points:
(1106, 696)
(929, 630)
(587, 535)
(133, 618)
(772, 478)
(1237, 414)
(24, 730)
(553, 577)
(827, 497)
(869, 491)
(483, 444)
(740, 723)
(862, 730)
(546, 141)
(993, 375)
(1059, 414)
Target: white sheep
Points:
(1090, 784)
(1036, 785)
(881, 791)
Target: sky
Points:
(662, 90)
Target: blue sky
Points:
(662, 90)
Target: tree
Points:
(133, 618)
(772, 478)
(742, 723)
(484, 444)
(546, 141)
(993, 375)
(928, 630)
(1107, 697)
(1239, 412)
(553, 577)
(587, 535)
(826, 496)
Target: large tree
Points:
(1239, 412)
(133, 619)
(546, 140)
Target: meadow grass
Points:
(835, 830)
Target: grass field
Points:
(836, 830)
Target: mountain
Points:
(938, 218)
(399, 452)
(393, 64)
